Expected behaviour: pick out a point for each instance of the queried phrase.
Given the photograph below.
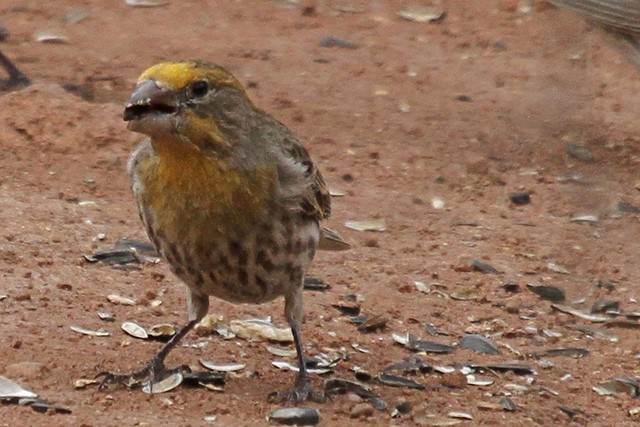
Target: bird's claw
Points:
(154, 371)
(301, 391)
(133, 380)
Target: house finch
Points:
(228, 195)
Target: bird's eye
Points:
(199, 89)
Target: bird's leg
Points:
(302, 388)
(155, 370)
(16, 78)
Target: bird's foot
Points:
(302, 390)
(153, 372)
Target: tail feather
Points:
(330, 240)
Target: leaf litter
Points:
(398, 375)
(12, 392)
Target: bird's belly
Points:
(253, 265)
(227, 239)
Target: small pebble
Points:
(403, 407)
(333, 41)
(464, 265)
(579, 152)
(520, 198)
(455, 379)
(546, 292)
(361, 410)
(511, 286)
(295, 416)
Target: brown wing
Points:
(315, 200)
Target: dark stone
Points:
(520, 198)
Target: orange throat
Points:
(188, 193)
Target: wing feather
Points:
(313, 198)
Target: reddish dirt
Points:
(387, 126)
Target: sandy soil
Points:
(429, 126)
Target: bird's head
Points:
(189, 101)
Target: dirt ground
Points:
(429, 126)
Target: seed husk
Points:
(134, 330)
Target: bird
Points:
(619, 20)
(230, 198)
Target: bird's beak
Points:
(150, 103)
